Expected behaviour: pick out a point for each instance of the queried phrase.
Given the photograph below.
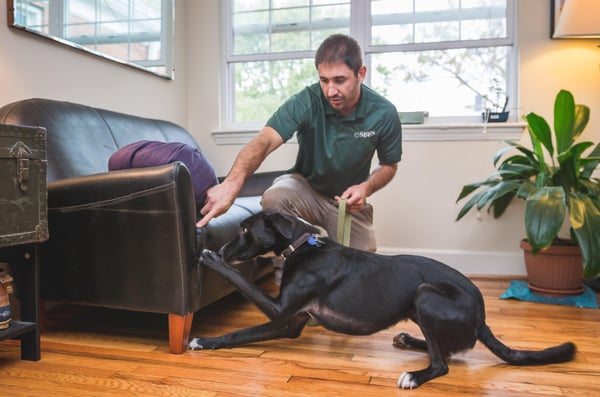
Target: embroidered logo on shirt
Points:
(364, 134)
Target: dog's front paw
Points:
(208, 255)
(407, 381)
(210, 258)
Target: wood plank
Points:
(93, 351)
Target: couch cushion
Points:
(152, 153)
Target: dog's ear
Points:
(284, 224)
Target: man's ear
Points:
(284, 224)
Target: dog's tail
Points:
(555, 354)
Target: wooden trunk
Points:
(23, 196)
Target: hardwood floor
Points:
(100, 352)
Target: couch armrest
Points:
(122, 186)
(123, 236)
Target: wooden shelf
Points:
(24, 267)
(16, 328)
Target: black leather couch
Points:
(127, 239)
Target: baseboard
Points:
(470, 262)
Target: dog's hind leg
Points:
(447, 317)
(267, 331)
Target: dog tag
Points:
(313, 241)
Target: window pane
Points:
(406, 22)
(124, 29)
(290, 25)
(447, 57)
(261, 87)
(460, 82)
(33, 14)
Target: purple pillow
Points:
(152, 153)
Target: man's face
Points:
(340, 86)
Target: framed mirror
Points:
(137, 33)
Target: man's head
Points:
(339, 48)
(341, 72)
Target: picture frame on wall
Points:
(555, 10)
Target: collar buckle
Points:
(311, 239)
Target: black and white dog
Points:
(359, 293)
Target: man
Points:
(340, 124)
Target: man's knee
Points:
(276, 198)
(285, 194)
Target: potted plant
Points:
(495, 111)
(555, 178)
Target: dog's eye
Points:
(244, 230)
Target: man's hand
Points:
(219, 199)
(355, 196)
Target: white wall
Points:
(34, 67)
(415, 213)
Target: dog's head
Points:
(265, 232)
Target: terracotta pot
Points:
(556, 271)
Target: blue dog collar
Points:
(310, 239)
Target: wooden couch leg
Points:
(179, 332)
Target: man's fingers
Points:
(207, 217)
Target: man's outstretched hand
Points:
(219, 199)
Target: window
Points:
(450, 58)
(138, 32)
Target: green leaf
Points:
(529, 155)
(501, 153)
(494, 192)
(539, 132)
(468, 189)
(591, 188)
(571, 164)
(544, 215)
(502, 202)
(516, 170)
(467, 207)
(564, 120)
(585, 222)
(543, 179)
(576, 151)
(567, 174)
(582, 117)
(526, 190)
(591, 163)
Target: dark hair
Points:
(340, 48)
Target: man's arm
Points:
(356, 195)
(219, 198)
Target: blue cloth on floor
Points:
(520, 290)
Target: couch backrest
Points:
(80, 139)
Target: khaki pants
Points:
(292, 194)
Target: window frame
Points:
(360, 29)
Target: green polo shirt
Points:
(336, 152)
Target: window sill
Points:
(410, 133)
